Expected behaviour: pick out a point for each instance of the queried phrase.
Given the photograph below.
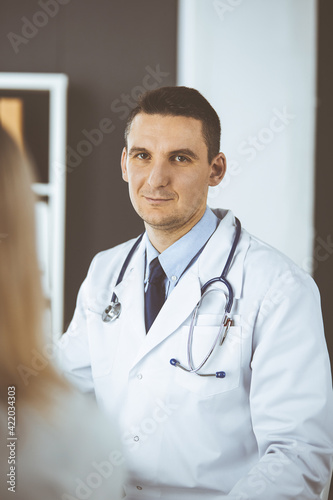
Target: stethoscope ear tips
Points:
(220, 374)
(173, 362)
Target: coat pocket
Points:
(225, 358)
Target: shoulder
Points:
(273, 269)
(103, 273)
(265, 256)
(256, 254)
(112, 259)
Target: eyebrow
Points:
(135, 149)
(185, 151)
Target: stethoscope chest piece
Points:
(112, 312)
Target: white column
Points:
(255, 61)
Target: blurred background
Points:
(264, 65)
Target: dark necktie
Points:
(155, 295)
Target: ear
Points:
(218, 169)
(123, 164)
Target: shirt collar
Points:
(176, 258)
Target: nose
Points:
(159, 174)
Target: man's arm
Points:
(73, 348)
(290, 397)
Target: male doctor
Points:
(260, 427)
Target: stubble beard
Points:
(167, 223)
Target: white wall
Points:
(255, 61)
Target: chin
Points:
(155, 221)
(154, 217)
(166, 223)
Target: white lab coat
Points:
(262, 432)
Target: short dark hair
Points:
(181, 101)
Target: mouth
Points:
(157, 201)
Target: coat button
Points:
(139, 487)
(136, 438)
(139, 375)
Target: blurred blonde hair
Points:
(22, 304)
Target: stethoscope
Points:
(112, 312)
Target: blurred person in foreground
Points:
(54, 444)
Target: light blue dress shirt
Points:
(177, 258)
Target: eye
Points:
(181, 159)
(142, 156)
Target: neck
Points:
(163, 238)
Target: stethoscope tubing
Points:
(114, 299)
(226, 322)
(113, 310)
(225, 271)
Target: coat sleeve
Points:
(73, 353)
(290, 396)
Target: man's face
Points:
(167, 169)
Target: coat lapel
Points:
(215, 255)
(130, 293)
